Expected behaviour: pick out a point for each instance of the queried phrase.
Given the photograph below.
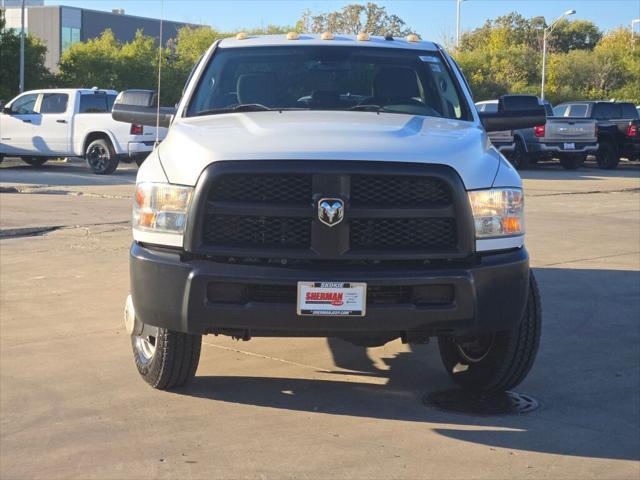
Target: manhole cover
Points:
(460, 401)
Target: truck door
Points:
(16, 125)
(52, 133)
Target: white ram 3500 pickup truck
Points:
(335, 187)
(42, 124)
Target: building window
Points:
(70, 36)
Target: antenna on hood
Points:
(159, 74)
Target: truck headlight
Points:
(161, 207)
(498, 212)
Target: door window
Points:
(25, 104)
(605, 111)
(54, 103)
(96, 103)
(629, 111)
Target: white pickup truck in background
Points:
(42, 124)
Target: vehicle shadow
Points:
(587, 377)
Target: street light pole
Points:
(21, 86)
(633, 22)
(545, 35)
(458, 2)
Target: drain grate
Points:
(460, 401)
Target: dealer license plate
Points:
(332, 298)
(569, 146)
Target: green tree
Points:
(94, 63)
(352, 19)
(36, 75)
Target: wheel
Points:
(101, 157)
(607, 156)
(164, 358)
(35, 162)
(571, 162)
(519, 158)
(495, 362)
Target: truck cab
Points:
(42, 124)
(331, 186)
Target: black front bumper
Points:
(171, 292)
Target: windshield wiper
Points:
(244, 107)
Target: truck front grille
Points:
(265, 188)
(262, 209)
(398, 191)
(257, 231)
(424, 233)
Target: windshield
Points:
(328, 78)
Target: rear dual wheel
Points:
(495, 362)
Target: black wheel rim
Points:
(98, 157)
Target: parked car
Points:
(503, 140)
(43, 124)
(568, 139)
(618, 124)
(340, 187)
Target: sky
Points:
(432, 19)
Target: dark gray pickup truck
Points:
(618, 127)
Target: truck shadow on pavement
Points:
(586, 378)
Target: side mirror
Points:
(140, 107)
(514, 112)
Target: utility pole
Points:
(545, 35)
(21, 86)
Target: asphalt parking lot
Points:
(73, 406)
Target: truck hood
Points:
(194, 143)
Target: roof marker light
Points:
(326, 36)
(293, 36)
(363, 37)
(242, 36)
(413, 38)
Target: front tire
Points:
(100, 157)
(35, 162)
(607, 156)
(495, 362)
(166, 359)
